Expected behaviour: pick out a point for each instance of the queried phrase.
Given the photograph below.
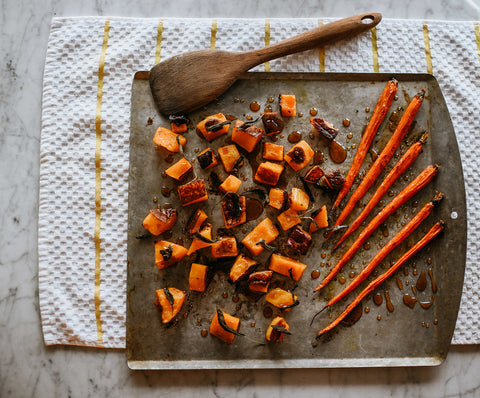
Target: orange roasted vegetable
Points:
(282, 299)
(314, 174)
(197, 279)
(207, 159)
(217, 330)
(299, 156)
(179, 170)
(168, 140)
(321, 219)
(229, 156)
(299, 241)
(273, 333)
(207, 129)
(168, 253)
(288, 105)
(277, 198)
(195, 221)
(178, 123)
(259, 281)
(192, 192)
(287, 266)
(226, 247)
(268, 173)
(272, 151)
(242, 266)
(265, 231)
(231, 184)
(160, 220)
(298, 199)
(247, 136)
(234, 210)
(197, 243)
(170, 300)
(288, 219)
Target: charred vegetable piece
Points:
(298, 199)
(265, 230)
(196, 220)
(226, 247)
(168, 140)
(193, 192)
(321, 220)
(231, 184)
(221, 326)
(288, 219)
(169, 309)
(178, 123)
(268, 173)
(272, 151)
(277, 329)
(168, 253)
(197, 278)
(299, 240)
(209, 129)
(242, 266)
(287, 266)
(282, 299)
(199, 243)
(324, 129)
(288, 105)
(160, 220)
(259, 281)
(314, 174)
(229, 156)
(234, 210)
(332, 180)
(247, 136)
(179, 170)
(299, 156)
(207, 159)
(277, 198)
(272, 123)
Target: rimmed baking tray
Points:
(381, 337)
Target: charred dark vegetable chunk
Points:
(299, 240)
(160, 220)
(314, 174)
(234, 210)
(277, 329)
(333, 180)
(272, 123)
(324, 129)
(193, 192)
(259, 281)
(207, 159)
(178, 123)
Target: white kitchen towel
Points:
(90, 62)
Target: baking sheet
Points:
(403, 337)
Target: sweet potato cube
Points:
(217, 330)
(277, 198)
(229, 155)
(227, 247)
(246, 136)
(197, 278)
(192, 192)
(179, 170)
(280, 298)
(288, 219)
(298, 199)
(321, 219)
(299, 156)
(268, 173)
(259, 281)
(168, 310)
(314, 174)
(273, 334)
(285, 266)
(207, 159)
(288, 105)
(178, 123)
(168, 140)
(299, 240)
(195, 221)
(272, 151)
(197, 243)
(242, 266)
(168, 253)
(265, 230)
(231, 184)
(272, 123)
(160, 220)
(234, 210)
(205, 126)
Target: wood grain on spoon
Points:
(188, 81)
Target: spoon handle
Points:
(318, 37)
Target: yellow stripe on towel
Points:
(321, 53)
(477, 39)
(428, 53)
(158, 48)
(213, 34)
(267, 43)
(376, 67)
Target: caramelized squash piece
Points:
(192, 192)
(217, 330)
(231, 184)
(299, 240)
(273, 334)
(272, 123)
(247, 136)
(205, 126)
(178, 123)
(272, 151)
(265, 230)
(321, 218)
(197, 279)
(169, 310)
(314, 174)
(179, 170)
(242, 266)
(281, 298)
(298, 199)
(198, 244)
(226, 247)
(277, 198)
(288, 219)
(259, 281)
(195, 221)
(268, 173)
(285, 266)
(299, 156)
(288, 105)
(160, 220)
(168, 140)
(206, 159)
(234, 210)
(229, 156)
(168, 253)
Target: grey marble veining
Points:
(28, 368)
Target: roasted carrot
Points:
(379, 113)
(430, 235)
(382, 160)
(411, 189)
(392, 244)
(400, 167)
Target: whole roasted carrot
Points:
(400, 167)
(411, 189)
(430, 235)
(379, 113)
(392, 244)
(382, 160)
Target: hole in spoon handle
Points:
(368, 19)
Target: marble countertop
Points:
(28, 368)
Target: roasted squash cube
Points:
(197, 279)
(288, 105)
(274, 335)
(164, 302)
(242, 266)
(234, 210)
(288, 219)
(207, 159)
(160, 220)
(287, 266)
(321, 219)
(280, 298)
(231, 184)
(314, 174)
(218, 331)
(324, 129)
(168, 140)
(178, 123)
(229, 156)
(195, 221)
(265, 230)
(209, 128)
(259, 281)
(179, 170)
(192, 192)
(277, 198)
(226, 247)
(197, 243)
(272, 123)
(299, 240)
(268, 173)
(299, 156)
(168, 253)
(298, 199)
(272, 151)
(247, 136)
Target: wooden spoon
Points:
(188, 81)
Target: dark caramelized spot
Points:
(232, 207)
(332, 180)
(260, 279)
(299, 241)
(205, 159)
(164, 215)
(314, 174)
(178, 120)
(209, 125)
(192, 191)
(298, 155)
(324, 129)
(272, 123)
